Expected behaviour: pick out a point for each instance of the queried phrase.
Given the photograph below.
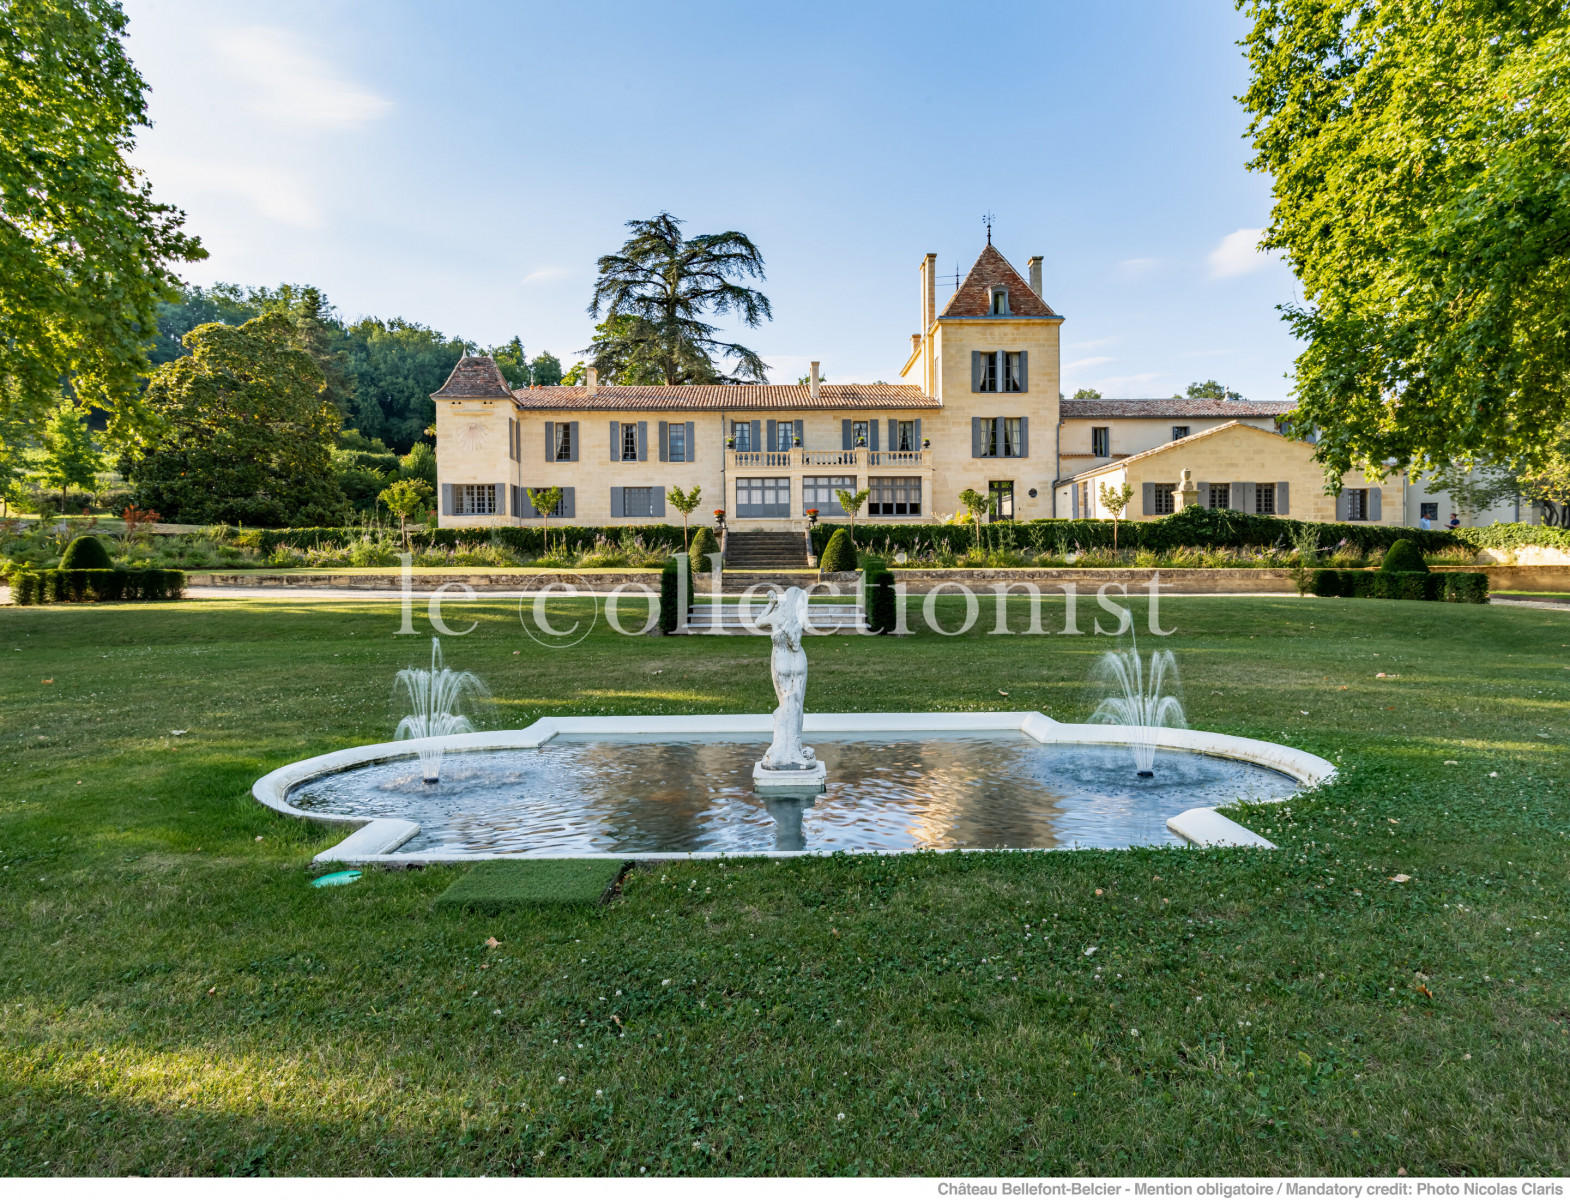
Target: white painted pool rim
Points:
(375, 840)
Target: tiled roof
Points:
(1119, 463)
(1176, 407)
(741, 397)
(476, 377)
(991, 269)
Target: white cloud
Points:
(1138, 268)
(294, 87)
(275, 193)
(1238, 254)
(546, 275)
(1093, 344)
(1087, 362)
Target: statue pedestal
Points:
(789, 783)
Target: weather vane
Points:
(987, 219)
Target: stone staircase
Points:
(833, 617)
(765, 552)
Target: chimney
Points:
(929, 292)
(1035, 274)
(915, 342)
(594, 381)
(812, 383)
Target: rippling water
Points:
(576, 795)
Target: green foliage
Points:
(1328, 581)
(655, 293)
(840, 554)
(501, 886)
(704, 543)
(85, 252)
(244, 435)
(670, 595)
(1466, 587)
(1403, 556)
(405, 499)
(1086, 393)
(85, 553)
(851, 502)
(1422, 199)
(69, 456)
(882, 612)
(419, 463)
(87, 585)
(1211, 390)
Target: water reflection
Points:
(639, 796)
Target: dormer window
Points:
(1000, 302)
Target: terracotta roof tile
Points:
(991, 269)
(1119, 463)
(1176, 407)
(754, 397)
(476, 377)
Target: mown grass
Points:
(175, 997)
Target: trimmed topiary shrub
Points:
(1404, 556)
(670, 594)
(100, 586)
(1466, 587)
(85, 553)
(839, 554)
(26, 588)
(882, 616)
(1328, 582)
(704, 543)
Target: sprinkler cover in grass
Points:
(336, 878)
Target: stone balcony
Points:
(804, 461)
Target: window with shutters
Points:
(1356, 504)
(1013, 438)
(784, 434)
(563, 441)
(1179, 432)
(905, 436)
(1013, 371)
(1101, 441)
(987, 378)
(678, 441)
(1001, 494)
(894, 496)
(629, 441)
(741, 432)
(474, 499)
(637, 502)
(763, 497)
(1220, 495)
(1164, 497)
(1000, 302)
(858, 435)
(1265, 498)
(1000, 371)
(820, 492)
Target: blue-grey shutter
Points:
(517, 506)
(772, 431)
(615, 441)
(550, 441)
(617, 508)
(976, 446)
(691, 450)
(757, 435)
(1375, 507)
(1149, 499)
(659, 502)
(975, 370)
(1202, 498)
(1282, 508)
(893, 434)
(800, 434)
(1024, 437)
(1343, 502)
(665, 442)
(1073, 494)
(1024, 370)
(643, 441)
(999, 446)
(847, 441)
(569, 502)
(918, 433)
(572, 428)
(1243, 497)
(446, 499)
(501, 500)
(872, 435)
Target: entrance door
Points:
(1001, 493)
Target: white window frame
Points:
(474, 499)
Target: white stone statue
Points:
(784, 616)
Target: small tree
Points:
(1115, 500)
(684, 503)
(977, 506)
(404, 498)
(69, 454)
(544, 501)
(851, 502)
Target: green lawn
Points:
(175, 997)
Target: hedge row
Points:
(1512, 536)
(1207, 528)
(88, 586)
(527, 539)
(1458, 587)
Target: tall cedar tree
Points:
(1420, 158)
(656, 291)
(85, 253)
(245, 431)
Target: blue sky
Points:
(463, 165)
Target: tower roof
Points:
(992, 270)
(476, 377)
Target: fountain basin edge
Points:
(376, 840)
